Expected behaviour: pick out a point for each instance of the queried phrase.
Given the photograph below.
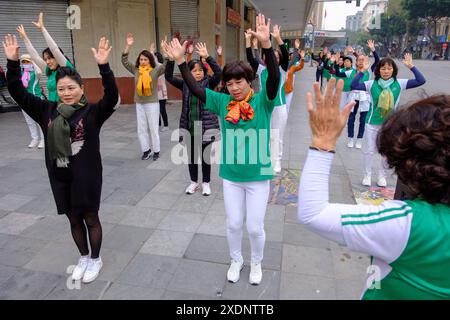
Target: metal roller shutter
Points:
(14, 13)
(184, 18)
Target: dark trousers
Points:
(319, 76)
(193, 149)
(163, 113)
(351, 122)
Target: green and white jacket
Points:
(408, 241)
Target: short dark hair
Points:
(381, 64)
(63, 72)
(347, 58)
(148, 55)
(416, 143)
(195, 62)
(237, 70)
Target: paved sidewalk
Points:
(158, 242)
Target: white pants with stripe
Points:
(345, 98)
(370, 149)
(35, 130)
(278, 124)
(148, 120)
(240, 197)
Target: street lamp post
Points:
(312, 42)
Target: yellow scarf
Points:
(144, 84)
(386, 100)
(240, 110)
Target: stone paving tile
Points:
(349, 289)
(197, 277)
(215, 249)
(296, 286)
(7, 272)
(268, 289)
(167, 243)
(298, 235)
(119, 291)
(213, 225)
(44, 205)
(18, 251)
(149, 271)
(307, 260)
(91, 291)
(126, 238)
(114, 213)
(174, 295)
(12, 201)
(186, 222)
(49, 228)
(14, 223)
(158, 201)
(29, 285)
(194, 203)
(144, 217)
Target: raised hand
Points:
(333, 58)
(325, 50)
(297, 44)
(262, 31)
(329, 55)
(130, 40)
(21, 30)
(166, 50)
(40, 24)
(371, 45)
(302, 54)
(408, 61)
(152, 48)
(202, 50)
(350, 49)
(325, 118)
(11, 47)
(276, 34)
(219, 50)
(102, 53)
(177, 50)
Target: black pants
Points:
(163, 112)
(193, 148)
(319, 76)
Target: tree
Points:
(431, 10)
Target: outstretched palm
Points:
(176, 50)
(262, 31)
(21, 30)
(408, 60)
(371, 45)
(11, 47)
(130, 40)
(40, 23)
(202, 50)
(101, 55)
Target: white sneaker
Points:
(79, 270)
(358, 144)
(206, 189)
(33, 144)
(367, 181)
(234, 272)
(277, 167)
(350, 143)
(193, 187)
(41, 144)
(382, 182)
(255, 276)
(92, 270)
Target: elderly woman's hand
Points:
(325, 119)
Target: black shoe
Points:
(155, 156)
(146, 155)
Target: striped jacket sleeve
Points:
(381, 231)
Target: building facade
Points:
(371, 18)
(354, 22)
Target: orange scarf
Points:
(144, 83)
(240, 109)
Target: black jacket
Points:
(209, 120)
